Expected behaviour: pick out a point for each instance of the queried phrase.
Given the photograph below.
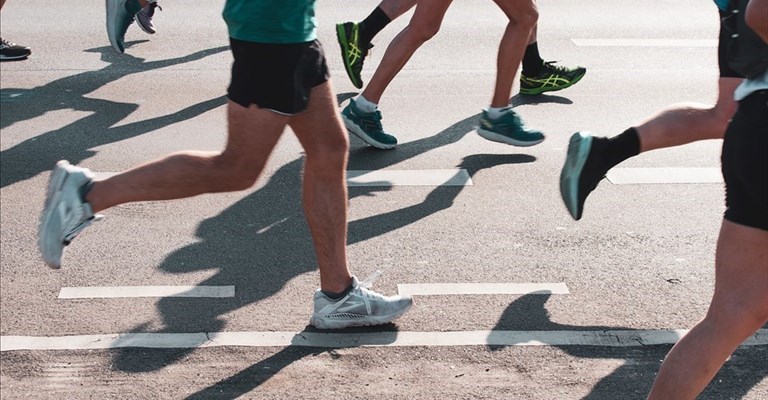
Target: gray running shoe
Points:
(120, 15)
(360, 307)
(65, 213)
(144, 17)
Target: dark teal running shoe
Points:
(120, 15)
(509, 129)
(367, 126)
(582, 171)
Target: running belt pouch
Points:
(747, 54)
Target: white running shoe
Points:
(65, 213)
(360, 307)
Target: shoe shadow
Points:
(634, 378)
(76, 140)
(519, 99)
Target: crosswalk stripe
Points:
(434, 289)
(645, 42)
(414, 177)
(628, 176)
(601, 338)
(145, 291)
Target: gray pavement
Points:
(641, 258)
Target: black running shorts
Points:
(745, 163)
(278, 77)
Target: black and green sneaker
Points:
(550, 79)
(352, 51)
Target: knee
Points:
(424, 32)
(743, 317)
(330, 150)
(528, 18)
(328, 157)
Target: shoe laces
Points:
(6, 43)
(556, 68)
(368, 281)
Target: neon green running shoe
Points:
(551, 78)
(352, 51)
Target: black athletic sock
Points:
(604, 154)
(372, 25)
(621, 147)
(336, 296)
(532, 61)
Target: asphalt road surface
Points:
(210, 297)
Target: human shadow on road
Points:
(249, 379)
(634, 378)
(262, 242)
(76, 140)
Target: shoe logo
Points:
(552, 80)
(350, 305)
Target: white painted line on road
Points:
(436, 289)
(416, 177)
(645, 42)
(602, 338)
(629, 176)
(145, 291)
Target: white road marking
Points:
(416, 177)
(433, 289)
(629, 176)
(145, 291)
(616, 338)
(645, 42)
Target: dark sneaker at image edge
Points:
(13, 51)
(144, 17)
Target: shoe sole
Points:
(112, 9)
(495, 137)
(12, 58)
(53, 191)
(321, 323)
(578, 151)
(355, 130)
(341, 36)
(533, 92)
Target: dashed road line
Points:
(94, 292)
(644, 42)
(630, 176)
(436, 289)
(382, 177)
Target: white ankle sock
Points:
(496, 112)
(364, 105)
